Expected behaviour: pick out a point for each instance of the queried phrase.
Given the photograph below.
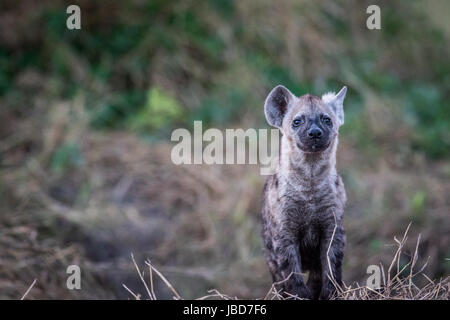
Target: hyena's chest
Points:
(310, 207)
(306, 213)
(305, 221)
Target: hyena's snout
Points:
(315, 138)
(315, 133)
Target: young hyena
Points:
(304, 199)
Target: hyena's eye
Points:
(326, 120)
(297, 122)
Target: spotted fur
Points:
(303, 202)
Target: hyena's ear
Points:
(336, 103)
(277, 104)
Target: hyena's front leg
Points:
(331, 256)
(289, 263)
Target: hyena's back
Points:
(268, 230)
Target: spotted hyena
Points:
(304, 199)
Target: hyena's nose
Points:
(314, 133)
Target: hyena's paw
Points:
(328, 291)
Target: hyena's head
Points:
(309, 123)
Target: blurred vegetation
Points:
(75, 104)
(215, 60)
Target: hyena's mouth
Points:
(315, 146)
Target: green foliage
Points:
(220, 108)
(114, 112)
(376, 245)
(431, 116)
(418, 204)
(159, 110)
(218, 60)
(65, 157)
(4, 76)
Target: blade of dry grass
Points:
(142, 278)
(168, 284)
(28, 290)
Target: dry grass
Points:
(397, 285)
(202, 226)
(33, 267)
(187, 227)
